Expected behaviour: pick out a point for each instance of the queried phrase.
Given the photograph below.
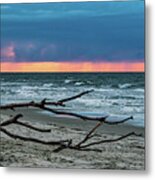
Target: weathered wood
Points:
(62, 144)
(43, 102)
(33, 127)
(15, 136)
(75, 97)
(110, 140)
(14, 120)
(89, 135)
(11, 120)
(43, 105)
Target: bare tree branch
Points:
(32, 139)
(85, 147)
(89, 135)
(75, 97)
(101, 119)
(33, 127)
(43, 107)
(110, 140)
(14, 120)
(63, 144)
(60, 148)
(28, 104)
(118, 122)
(73, 114)
(11, 120)
(43, 102)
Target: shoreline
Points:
(127, 154)
(36, 115)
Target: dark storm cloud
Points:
(94, 31)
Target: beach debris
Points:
(83, 145)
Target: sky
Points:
(73, 37)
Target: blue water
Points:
(116, 94)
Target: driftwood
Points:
(43, 103)
(62, 144)
(14, 120)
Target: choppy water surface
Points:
(117, 94)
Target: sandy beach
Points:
(126, 154)
(73, 85)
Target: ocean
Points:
(118, 95)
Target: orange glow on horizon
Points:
(72, 67)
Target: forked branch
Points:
(44, 102)
(89, 135)
(110, 140)
(43, 105)
(14, 120)
(63, 144)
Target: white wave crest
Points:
(124, 86)
(79, 83)
(67, 81)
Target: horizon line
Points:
(73, 72)
(85, 66)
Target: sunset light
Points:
(71, 67)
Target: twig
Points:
(60, 148)
(110, 140)
(32, 139)
(14, 120)
(118, 122)
(75, 97)
(89, 135)
(33, 127)
(11, 120)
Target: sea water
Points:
(118, 95)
